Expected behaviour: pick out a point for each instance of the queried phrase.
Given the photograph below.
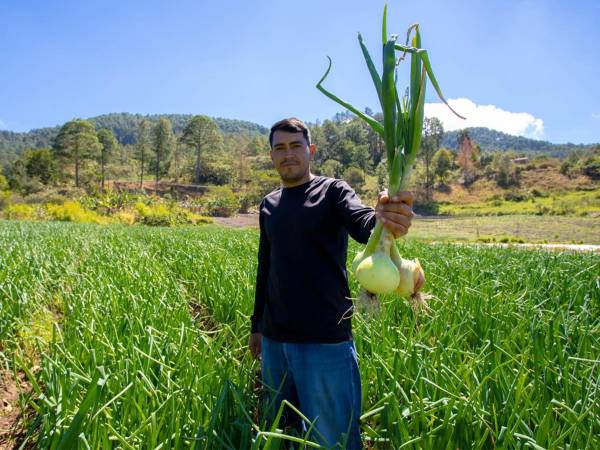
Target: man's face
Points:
(291, 155)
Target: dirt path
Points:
(11, 421)
(550, 247)
(239, 221)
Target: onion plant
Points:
(379, 268)
(135, 337)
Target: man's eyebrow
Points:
(279, 144)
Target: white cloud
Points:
(2, 125)
(490, 116)
(595, 115)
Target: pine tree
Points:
(162, 145)
(75, 143)
(201, 133)
(143, 147)
(109, 146)
(441, 163)
(433, 132)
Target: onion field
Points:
(136, 338)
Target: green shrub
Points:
(427, 208)
(32, 186)
(355, 177)
(262, 162)
(541, 210)
(246, 202)
(155, 215)
(46, 196)
(163, 215)
(196, 204)
(216, 173)
(564, 208)
(72, 211)
(4, 199)
(591, 167)
(125, 217)
(109, 200)
(183, 216)
(251, 198)
(20, 211)
(3, 183)
(263, 182)
(516, 196)
(222, 202)
(539, 193)
(332, 168)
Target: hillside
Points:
(123, 125)
(541, 190)
(491, 140)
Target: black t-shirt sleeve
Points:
(262, 274)
(357, 218)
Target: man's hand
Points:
(395, 213)
(255, 344)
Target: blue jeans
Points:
(322, 381)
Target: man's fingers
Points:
(403, 197)
(395, 213)
(399, 208)
(398, 225)
(383, 198)
(398, 219)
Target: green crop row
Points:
(135, 337)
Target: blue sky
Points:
(525, 67)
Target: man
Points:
(300, 325)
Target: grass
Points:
(143, 344)
(578, 203)
(537, 229)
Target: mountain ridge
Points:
(124, 126)
(494, 140)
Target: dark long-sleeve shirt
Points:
(302, 292)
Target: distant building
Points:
(523, 160)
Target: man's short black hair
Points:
(291, 125)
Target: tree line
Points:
(84, 155)
(198, 151)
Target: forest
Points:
(231, 158)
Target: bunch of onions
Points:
(379, 268)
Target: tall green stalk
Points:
(402, 118)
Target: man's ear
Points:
(271, 154)
(312, 149)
